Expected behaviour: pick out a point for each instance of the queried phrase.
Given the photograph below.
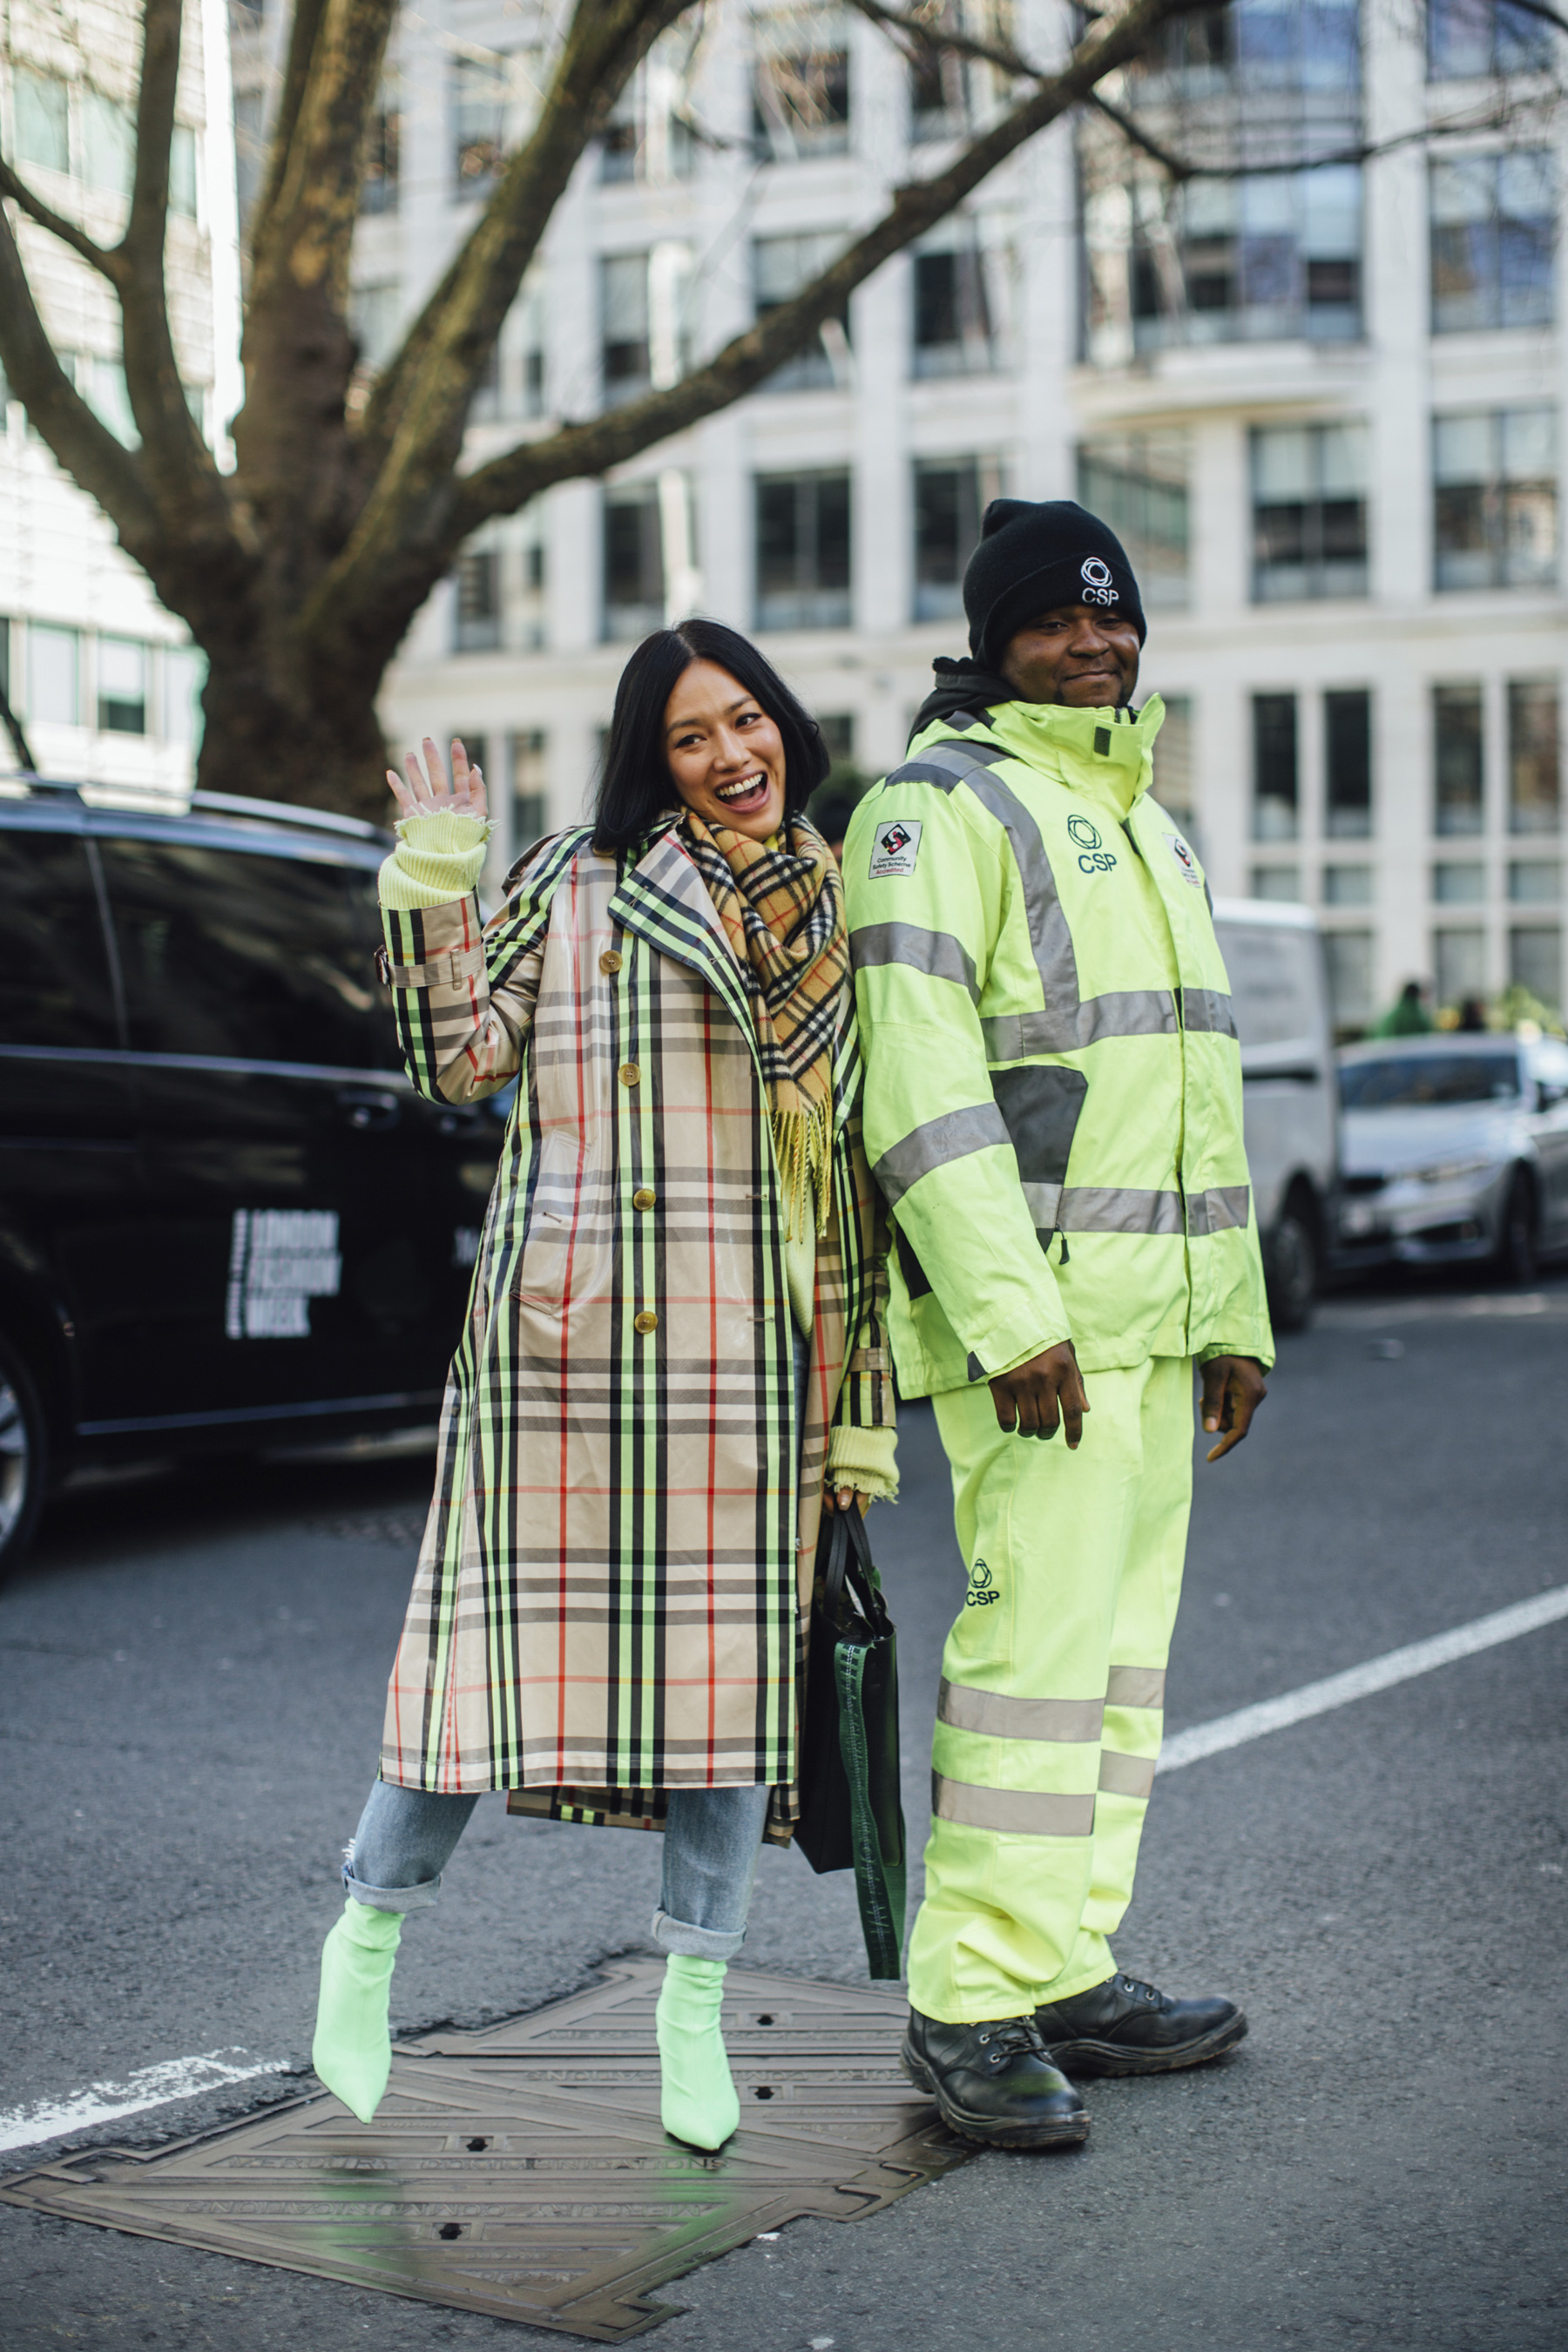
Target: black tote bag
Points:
(852, 1813)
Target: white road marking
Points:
(1358, 1682)
(186, 2078)
(150, 2086)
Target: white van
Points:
(1274, 954)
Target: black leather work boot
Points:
(1123, 2027)
(994, 2082)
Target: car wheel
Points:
(1292, 1268)
(1519, 1244)
(24, 1456)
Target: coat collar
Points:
(1104, 756)
(664, 900)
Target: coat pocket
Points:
(1041, 1105)
(553, 1259)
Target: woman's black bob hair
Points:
(635, 788)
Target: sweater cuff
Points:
(439, 857)
(866, 1458)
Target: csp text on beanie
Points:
(1034, 558)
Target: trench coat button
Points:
(647, 1323)
(610, 960)
(642, 1198)
(630, 1074)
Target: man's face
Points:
(1076, 654)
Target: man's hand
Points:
(1233, 1391)
(1034, 1397)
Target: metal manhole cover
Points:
(524, 2172)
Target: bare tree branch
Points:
(1539, 8)
(19, 744)
(509, 480)
(304, 24)
(88, 450)
(1498, 115)
(606, 41)
(96, 256)
(934, 37)
(177, 461)
(421, 416)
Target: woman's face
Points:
(726, 757)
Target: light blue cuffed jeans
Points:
(406, 1837)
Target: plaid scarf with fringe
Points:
(781, 907)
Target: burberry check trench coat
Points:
(611, 1592)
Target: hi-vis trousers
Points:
(1052, 1692)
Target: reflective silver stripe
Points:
(997, 1716)
(1135, 1687)
(1123, 1013)
(953, 1136)
(1210, 1008)
(1126, 1776)
(946, 764)
(1218, 1211)
(936, 953)
(1014, 1812)
(1120, 1208)
(1102, 1209)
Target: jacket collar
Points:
(663, 899)
(1104, 756)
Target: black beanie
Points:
(1032, 558)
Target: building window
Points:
(108, 143)
(643, 137)
(1491, 242)
(1460, 963)
(1137, 482)
(800, 89)
(1349, 957)
(42, 116)
(374, 314)
(1535, 961)
(1534, 766)
(950, 496)
(1274, 775)
(1458, 759)
(634, 560)
(1468, 41)
(1309, 511)
(1347, 886)
(476, 617)
(530, 789)
(1495, 497)
(121, 686)
(644, 300)
(1535, 881)
(1347, 758)
(837, 728)
(183, 171)
(803, 551)
(781, 267)
(101, 384)
(1173, 775)
(1459, 883)
(54, 660)
(1282, 883)
(954, 323)
(480, 90)
(378, 190)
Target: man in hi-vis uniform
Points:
(1053, 1110)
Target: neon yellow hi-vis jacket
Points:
(1053, 1085)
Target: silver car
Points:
(1454, 1146)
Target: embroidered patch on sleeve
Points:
(895, 846)
(1186, 860)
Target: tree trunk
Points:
(319, 746)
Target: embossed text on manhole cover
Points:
(524, 2172)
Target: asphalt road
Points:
(192, 1671)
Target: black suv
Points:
(225, 1218)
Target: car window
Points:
(54, 970)
(1419, 1081)
(253, 958)
(1276, 987)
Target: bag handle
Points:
(849, 1562)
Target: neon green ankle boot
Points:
(353, 2049)
(697, 2096)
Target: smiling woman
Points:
(675, 1357)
